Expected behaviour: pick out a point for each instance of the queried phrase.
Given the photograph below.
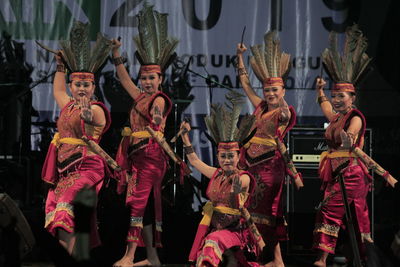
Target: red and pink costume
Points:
(267, 166)
(143, 157)
(357, 181)
(225, 228)
(70, 165)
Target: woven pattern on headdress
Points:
(153, 44)
(77, 53)
(348, 67)
(268, 61)
(223, 119)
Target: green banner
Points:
(37, 20)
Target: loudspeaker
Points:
(301, 211)
(14, 227)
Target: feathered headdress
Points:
(346, 69)
(222, 122)
(268, 62)
(82, 61)
(155, 49)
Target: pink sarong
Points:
(330, 218)
(266, 206)
(150, 165)
(59, 209)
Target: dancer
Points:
(138, 153)
(346, 122)
(273, 119)
(222, 229)
(70, 164)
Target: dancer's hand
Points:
(157, 116)
(184, 135)
(86, 111)
(320, 84)
(347, 140)
(116, 44)
(185, 125)
(282, 103)
(58, 58)
(236, 185)
(240, 49)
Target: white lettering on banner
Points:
(208, 30)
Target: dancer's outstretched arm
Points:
(122, 73)
(244, 78)
(194, 160)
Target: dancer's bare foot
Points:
(319, 263)
(147, 262)
(124, 262)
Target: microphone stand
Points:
(209, 83)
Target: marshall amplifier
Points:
(306, 144)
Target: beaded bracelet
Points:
(322, 99)
(118, 60)
(188, 149)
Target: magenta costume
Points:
(227, 229)
(266, 164)
(70, 165)
(143, 157)
(357, 181)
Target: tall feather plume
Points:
(80, 46)
(153, 44)
(140, 50)
(268, 60)
(258, 59)
(284, 67)
(167, 52)
(330, 65)
(256, 69)
(349, 66)
(362, 68)
(162, 29)
(335, 55)
(223, 119)
(234, 107)
(359, 58)
(77, 53)
(99, 53)
(213, 122)
(245, 127)
(348, 49)
(147, 34)
(68, 55)
(269, 53)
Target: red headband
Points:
(87, 76)
(228, 146)
(273, 81)
(150, 69)
(344, 87)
